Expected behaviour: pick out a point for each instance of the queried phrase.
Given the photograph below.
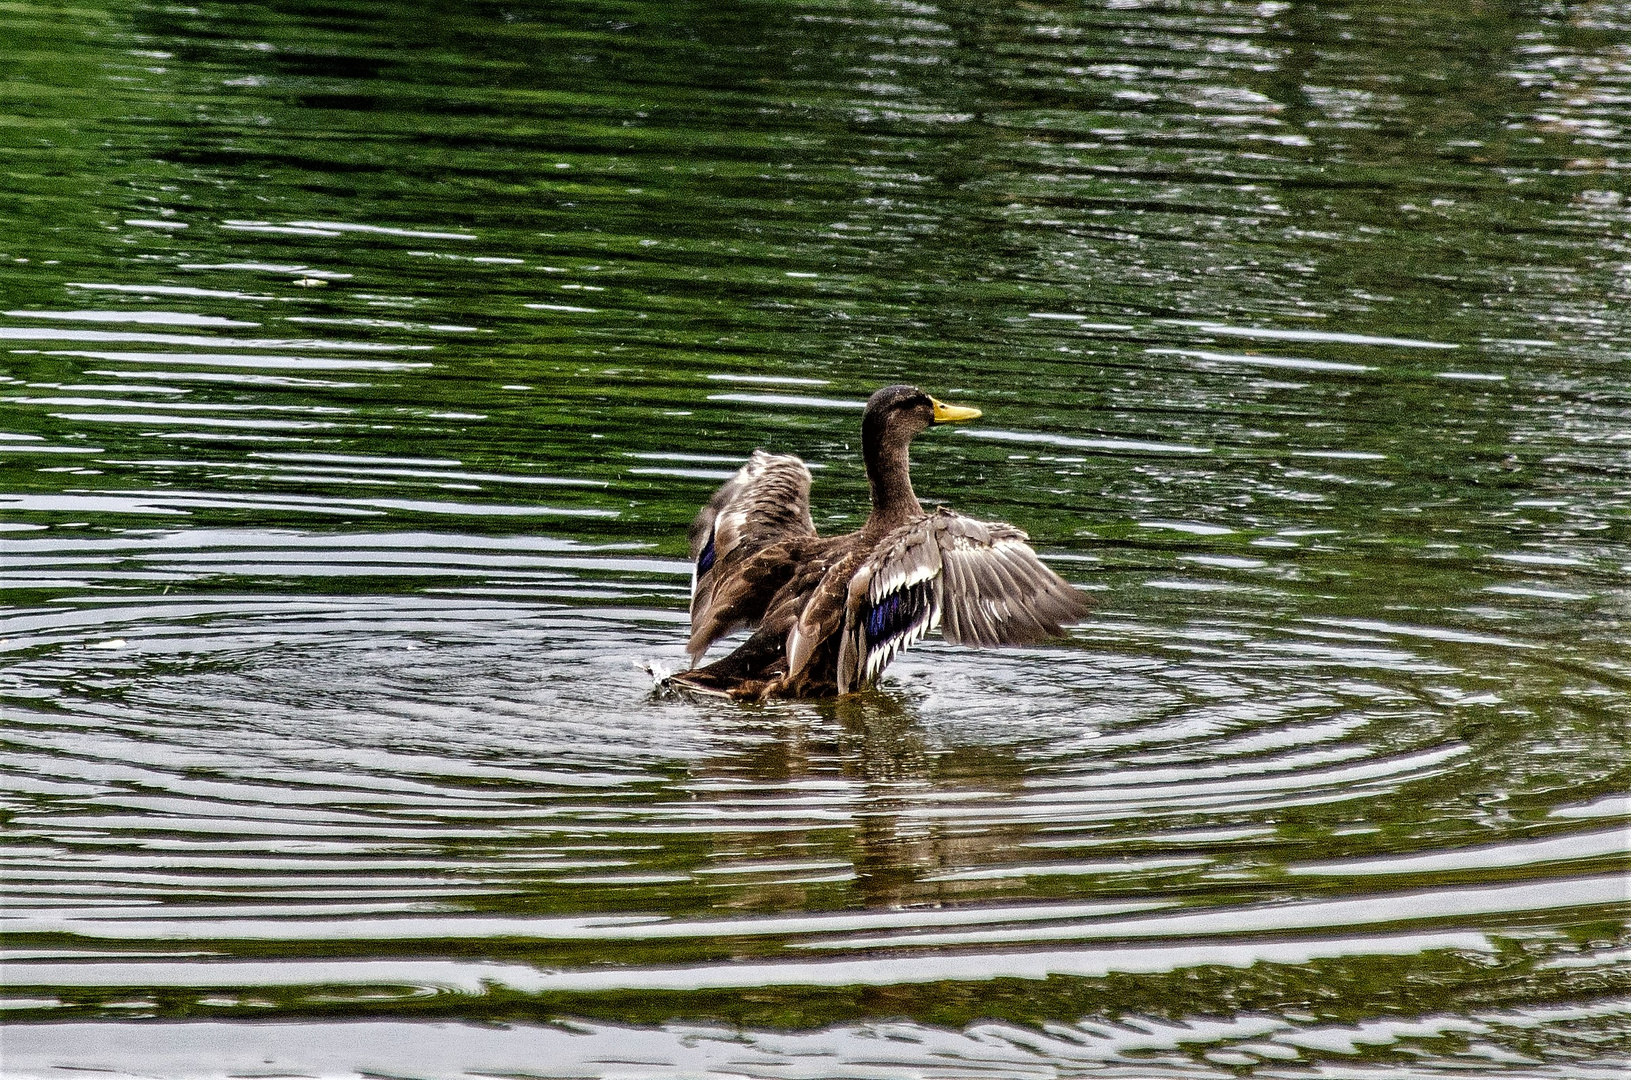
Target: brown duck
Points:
(830, 612)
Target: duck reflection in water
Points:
(830, 612)
(891, 770)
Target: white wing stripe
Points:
(978, 582)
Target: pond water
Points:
(363, 364)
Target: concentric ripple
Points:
(360, 376)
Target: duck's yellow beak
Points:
(950, 414)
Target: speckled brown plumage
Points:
(829, 613)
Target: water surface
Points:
(363, 364)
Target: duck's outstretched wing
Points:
(978, 581)
(765, 503)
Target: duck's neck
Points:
(889, 474)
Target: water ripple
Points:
(329, 736)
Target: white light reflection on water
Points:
(331, 744)
(1184, 1048)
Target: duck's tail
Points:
(754, 671)
(697, 681)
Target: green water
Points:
(363, 364)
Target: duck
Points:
(829, 613)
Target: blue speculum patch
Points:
(895, 613)
(706, 559)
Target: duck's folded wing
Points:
(766, 502)
(978, 581)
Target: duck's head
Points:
(896, 413)
(893, 416)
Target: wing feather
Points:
(1015, 579)
(1014, 593)
(954, 581)
(978, 581)
(767, 502)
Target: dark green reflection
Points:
(363, 365)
